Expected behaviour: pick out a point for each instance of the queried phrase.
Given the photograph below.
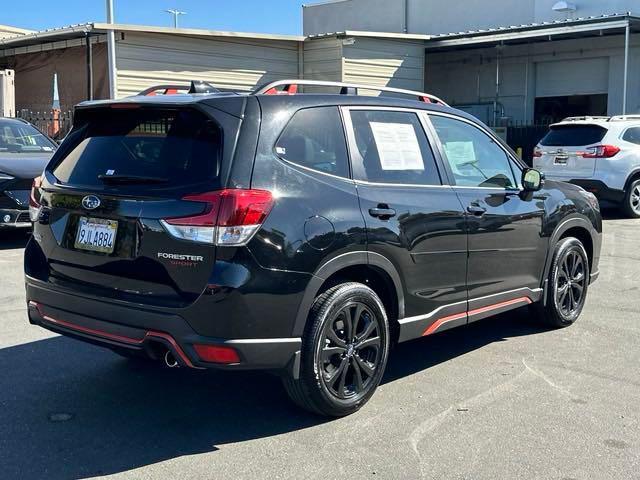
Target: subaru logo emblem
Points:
(90, 202)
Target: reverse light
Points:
(217, 354)
(34, 204)
(601, 151)
(231, 217)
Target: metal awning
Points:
(614, 24)
(79, 31)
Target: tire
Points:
(631, 203)
(340, 370)
(568, 284)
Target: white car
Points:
(600, 154)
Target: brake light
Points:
(231, 217)
(537, 152)
(34, 205)
(601, 151)
(217, 354)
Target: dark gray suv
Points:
(300, 233)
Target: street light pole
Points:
(176, 14)
(111, 52)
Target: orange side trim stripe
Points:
(82, 329)
(111, 336)
(489, 308)
(438, 323)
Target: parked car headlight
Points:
(5, 176)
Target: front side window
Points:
(392, 148)
(475, 158)
(314, 138)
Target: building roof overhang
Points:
(537, 32)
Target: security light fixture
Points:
(176, 14)
(564, 7)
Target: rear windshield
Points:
(573, 135)
(155, 148)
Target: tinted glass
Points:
(632, 135)
(393, 148)
(18, 137)
(474, 157)
(180, 147)
(314, 138)
(573, 135)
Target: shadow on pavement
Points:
(13, 239)
(613, 213)
(125, 415)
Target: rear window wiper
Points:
(131, 179)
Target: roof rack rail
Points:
(622, 118)
(585, 118)
(290, 87)
(196, 86)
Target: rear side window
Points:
(174, 147)
(573, 135)
(632, 135)
(392, 148)
(314, 138)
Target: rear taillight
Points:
(601, 151)
(537, 152)
(231, 217)
(34, 202)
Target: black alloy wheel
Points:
(351, 353)
(570, 283)
(345, 348)
(567, 284)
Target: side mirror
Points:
(532, 180)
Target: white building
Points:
(506, 61)
(509, 62)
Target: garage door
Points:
(572, 77)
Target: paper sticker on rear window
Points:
(398, 146)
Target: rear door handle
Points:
(476, 210)
(382, 212)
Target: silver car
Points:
(600, 154)
(24, 152)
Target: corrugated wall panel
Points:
(323, 59)
(147, 59)
(384, 62)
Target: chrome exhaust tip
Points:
(169, 360)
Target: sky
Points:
(263, 16)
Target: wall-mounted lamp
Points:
(565, 7)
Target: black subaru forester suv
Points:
(298, 233)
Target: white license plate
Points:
(561, 160)
(96, 234)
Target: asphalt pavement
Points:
(505, 398)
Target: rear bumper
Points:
(14, 218)
(118, 327)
